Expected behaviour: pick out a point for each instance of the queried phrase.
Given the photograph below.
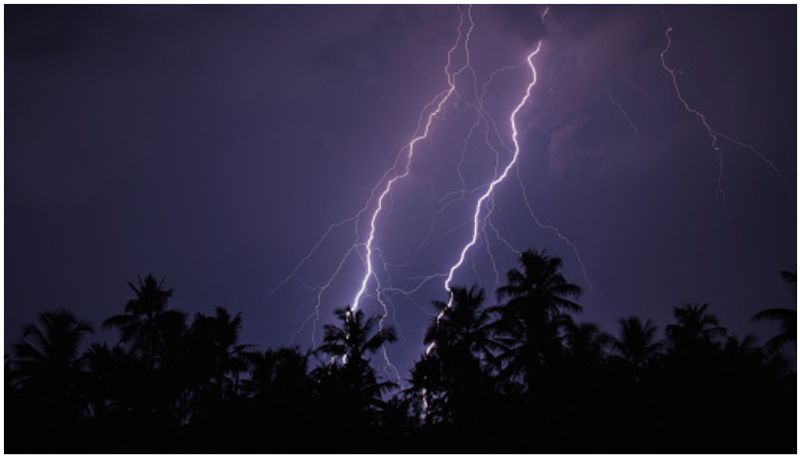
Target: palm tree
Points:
(155, 339)
(586, 342)
(450, 379)
(539, 300)
(274, 373)
(216, 352)
(355, 338)
(695, 326)
(786, 318)
(48, 352)
(147, 326)
(281, 391)
(47, 370)
(108, 380)
(463, 324)
(636, 342)
(350, 385)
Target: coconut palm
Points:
(785, 317)
(215, 350)
(47, 373)
(538, 302)
(450, 378)
(355, 338)
(463, 324)
(637, 343)
(586, 342)
(350, 385)
(48, 352)
(147, 326)
(695, 326)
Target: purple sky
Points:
(213, 145)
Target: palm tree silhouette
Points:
(147, 326)
(465, 324)
(785, 317)
(451, 379)
(280, 371)
(637, 342)
(108, 381)
(46, 371)
(214, 342)
(49, 352)
(539, 299)
(355, 338)
(586, 342)
(349, 384)
(352, 343)
(695, 326)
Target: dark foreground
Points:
(524, 376)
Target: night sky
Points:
(213, 146)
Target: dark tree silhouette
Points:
(48, 352)
(355, 338)
(636, 342)
(46, 370)
(216, 355)
(785, 317)
(348, 383)
(465, 325)
(695, 326)
(452, 382)
(586, 342)
(147, 326)
(539, 299)
(521, 376)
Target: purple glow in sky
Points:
(215, 145)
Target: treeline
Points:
(523, 376)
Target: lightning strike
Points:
(622, 111)
(439, 101)
(713, 134)
(500, 238)
(489, 191)
(368, 274)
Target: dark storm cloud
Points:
(33, 31)
(523, 21)
(370, 35)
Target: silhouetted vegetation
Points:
(522, 376)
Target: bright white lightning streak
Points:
(369, 273)
(713, 134)
(438, 101)
(488, 193)
(485, 117)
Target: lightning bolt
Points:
(555, 231)
(622, 111)
(382, 190)
(476, 218)
(713, 134)
(451, 77)
(544, 13)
